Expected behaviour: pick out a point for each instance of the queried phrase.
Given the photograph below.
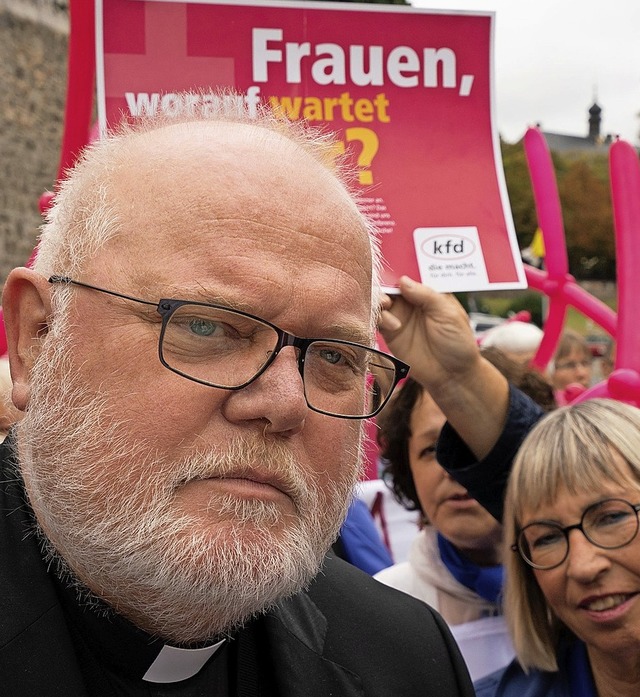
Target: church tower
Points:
(595, 120)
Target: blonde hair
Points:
(571, 448)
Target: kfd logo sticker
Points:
(448, 247)
(450, 259)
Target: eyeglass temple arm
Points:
(70, 281)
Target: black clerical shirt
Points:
(115, 656)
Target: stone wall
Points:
(33, 68)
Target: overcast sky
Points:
(554, 56)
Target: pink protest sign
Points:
(409, 90)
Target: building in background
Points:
(33, 73)
(593, 143)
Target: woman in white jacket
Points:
(455, 561)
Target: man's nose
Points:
(276, 398)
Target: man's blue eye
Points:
(202, 327)
(331, 356)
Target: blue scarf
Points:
(486, 581)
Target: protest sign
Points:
(409, 90)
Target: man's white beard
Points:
(170, 575)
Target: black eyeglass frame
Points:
(167, 306)
(516, 547)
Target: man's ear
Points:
(26, 306)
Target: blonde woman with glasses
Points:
(572, 597)
(572, 560)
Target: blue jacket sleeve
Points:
(361, 541)
(486, 480)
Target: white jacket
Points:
(476, 623)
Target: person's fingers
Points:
(388, 322)
(417, 293)
(385, 301)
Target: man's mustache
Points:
(251, 458)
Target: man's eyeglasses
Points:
(229, 349)
(609, 524)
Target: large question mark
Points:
(370, 144)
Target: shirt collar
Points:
(127, 650)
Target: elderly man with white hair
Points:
(193, 352)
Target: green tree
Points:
(583, 187)
(520, 194)
(588, 220)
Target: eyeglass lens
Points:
(226, 349)
(608, 524)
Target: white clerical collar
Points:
(173, 664)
